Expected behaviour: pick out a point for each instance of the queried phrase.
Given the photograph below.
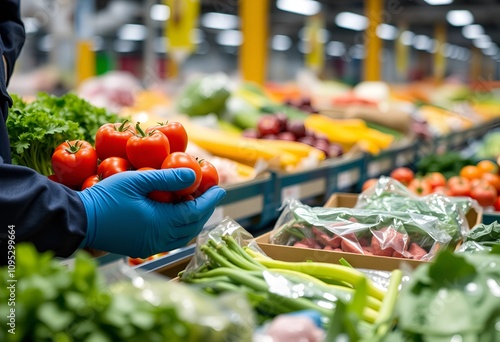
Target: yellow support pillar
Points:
(373, 44)
(476, 65)
(85, 60)
(253, 53)
(439, 57)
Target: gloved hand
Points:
(121, 218)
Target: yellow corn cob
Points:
(349, 133)
(334, 131)
(296, 148)
(243, 150)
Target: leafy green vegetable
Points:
(205, 95)
(34, 133)
(37, 128)
(56, 303)
(449, 163)
(455, 297)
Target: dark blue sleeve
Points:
(12, 38)
(12, 34)
(48, 214)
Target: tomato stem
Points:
(73, 148)
(139, 129)
(122, 127)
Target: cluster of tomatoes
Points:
(480, 182)
(122, 147)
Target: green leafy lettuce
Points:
(37, 128)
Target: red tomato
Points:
(497, 204)
(73, 162)
(420, 187)
(176, 134)
(436, 179)
(403, 175)
(111, 166)
(441, 190)
(368, 183)
(147, 149)
(485, 194)
(209, 176)
(459, 186)
(492, 179)
(181, 159)
(111, 139)
(158, 195)
(91, 181)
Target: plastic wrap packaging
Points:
(370, 232)
(481, 238)
(390, 195)
(197, 316)
(272, 288)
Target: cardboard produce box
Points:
(298, 254)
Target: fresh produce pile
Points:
(82, 303)
(390, 195)
(37, 128)
(279, 127)
(277, 154)
(363, 231)
(478, 180)
(121, 147)
(250, 108)
(273, 287)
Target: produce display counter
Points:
(345, 175)
(250, 203)
(460, 139)
(255, 204)
(401, 154)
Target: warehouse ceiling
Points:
(418, 17)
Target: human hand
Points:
(122, 219)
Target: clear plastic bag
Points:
(390, 195)
(195, 315)
(481, 238)
(370, 232)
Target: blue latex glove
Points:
(121, 218)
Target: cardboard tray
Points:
(297, 254)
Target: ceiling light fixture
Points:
(421, 42)
(335, 49)
(459, 17)
(406, 37)
(387, 32)
(482, 42)
(304, 7)
(132, 32)
(220, 21)
(438, 2)
(472, 31)
(351, 21)
(281, 42)
(159, 12)
(229, 38)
